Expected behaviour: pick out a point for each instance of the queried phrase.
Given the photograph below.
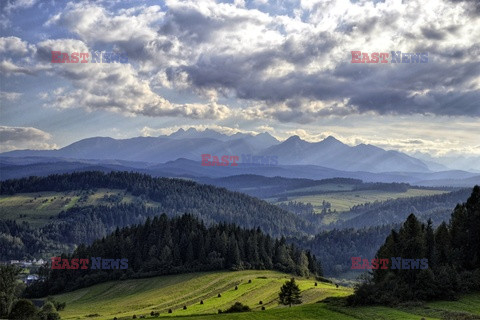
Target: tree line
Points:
(183, 244)
(174, 196)
(452, 250)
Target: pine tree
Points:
(290, 293)
(430, 244)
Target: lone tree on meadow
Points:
(290, 293)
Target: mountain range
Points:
(191, 144)
(180, 154)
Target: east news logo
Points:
(209, 160)
(94, 263)
(83, 57)
(381, 57)
(397, 263)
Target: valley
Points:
(232, 160)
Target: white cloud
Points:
(300, 69)
(11, 5)
(9, 96)
(13, 138)
(14, 46)
(148, 131)
(8, 67)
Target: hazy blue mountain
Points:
(192, 133)
(191, 144)
(17, 167)
(451, 162)
(334, 154)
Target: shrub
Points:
(134, 316)
(169, 310)
(219, 295)
(260, 302)
(238, 307)
(184, 307)
(322, 279)
(23, 309)
(49, 312)
(263, 308)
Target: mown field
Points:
(124, 299)
(141, 296)
(343, 200)
(37, 208)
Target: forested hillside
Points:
(179, 245)
(452, 251)
(170, 196)
(336, 247)
(435, 207)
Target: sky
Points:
(280, 66)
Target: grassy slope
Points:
(40, 206)
(125, 298)
(140, 297)
(342, 201)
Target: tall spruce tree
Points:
(290, 293)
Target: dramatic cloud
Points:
(298, 63)
(114, 87)
(250, 63)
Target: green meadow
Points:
(342, 201)
(139, 297)
(159, 294)
(37, 208)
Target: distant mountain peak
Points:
(294, 138)
(332, 139)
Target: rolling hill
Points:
(123, 299)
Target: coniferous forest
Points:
(183, 244)
(452, 250)
(196, 227)
(171, 196)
